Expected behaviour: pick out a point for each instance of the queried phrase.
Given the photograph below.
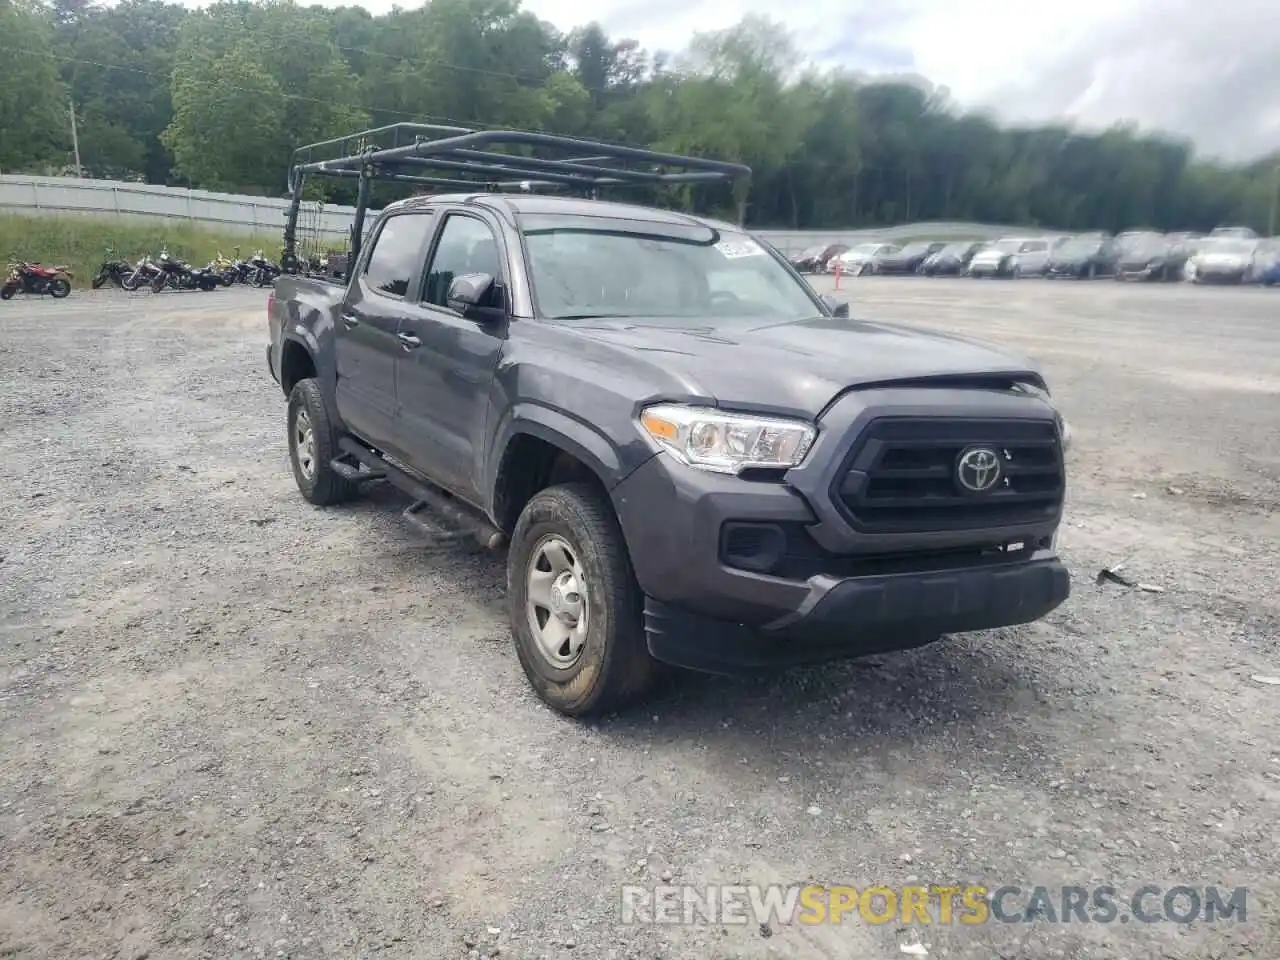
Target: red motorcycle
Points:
(38, 279)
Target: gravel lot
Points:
(232, 725)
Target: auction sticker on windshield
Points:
(735, 249)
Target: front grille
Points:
(901, 475)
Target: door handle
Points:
(350, 320)
(409, 341)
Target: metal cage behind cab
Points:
(460, 158)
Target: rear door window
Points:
(397, 253)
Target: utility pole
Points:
(75, 141)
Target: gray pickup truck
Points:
(691, 457)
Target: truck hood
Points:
(797, 367)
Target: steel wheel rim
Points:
(556, 602)
(304, 442)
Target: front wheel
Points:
(59, 287)
(7, 291)
(575, 607)
(99, 280)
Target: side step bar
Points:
(465, 521)
(353, 472)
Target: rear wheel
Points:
(59, 287)
(575, 607)
(312, 446)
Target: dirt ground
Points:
(233, 725)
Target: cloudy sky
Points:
(1207, 69)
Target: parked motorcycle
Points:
(263, 271)
(224, 268)
(179, 275)
(143, 273)
(112, 271)
(28, 277)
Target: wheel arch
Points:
(539, 448)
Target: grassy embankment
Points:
(81, 242)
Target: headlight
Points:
(711, 439)
(1034, 390)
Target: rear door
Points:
(366, 338)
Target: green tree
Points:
(34, 109)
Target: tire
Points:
(129, 282)
(6, 292)
(1015, 272)
(59, 287)
(612, 666)
(318, 482)
(99, 280)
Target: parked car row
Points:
(1225, 255)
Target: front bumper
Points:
(988, 269)
(1220, 275)
(839, 618)
(848, 594)
(1144, 272)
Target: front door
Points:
(366, 344)
(444, 379)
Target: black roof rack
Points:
(461, 158)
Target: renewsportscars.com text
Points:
(943, 904)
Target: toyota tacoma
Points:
(690, 456)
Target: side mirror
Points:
(838, 308)
(470, 292)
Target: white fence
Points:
(225, 211)
(237, 212)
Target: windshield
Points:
(956, 249)
(588, 267)
(1079, 248)
(1006, 246)
(1146, 245)
(865, 250)
(912, 249)
(1232, 246)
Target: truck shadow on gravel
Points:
(960, 687)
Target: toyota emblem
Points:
(978, 469)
